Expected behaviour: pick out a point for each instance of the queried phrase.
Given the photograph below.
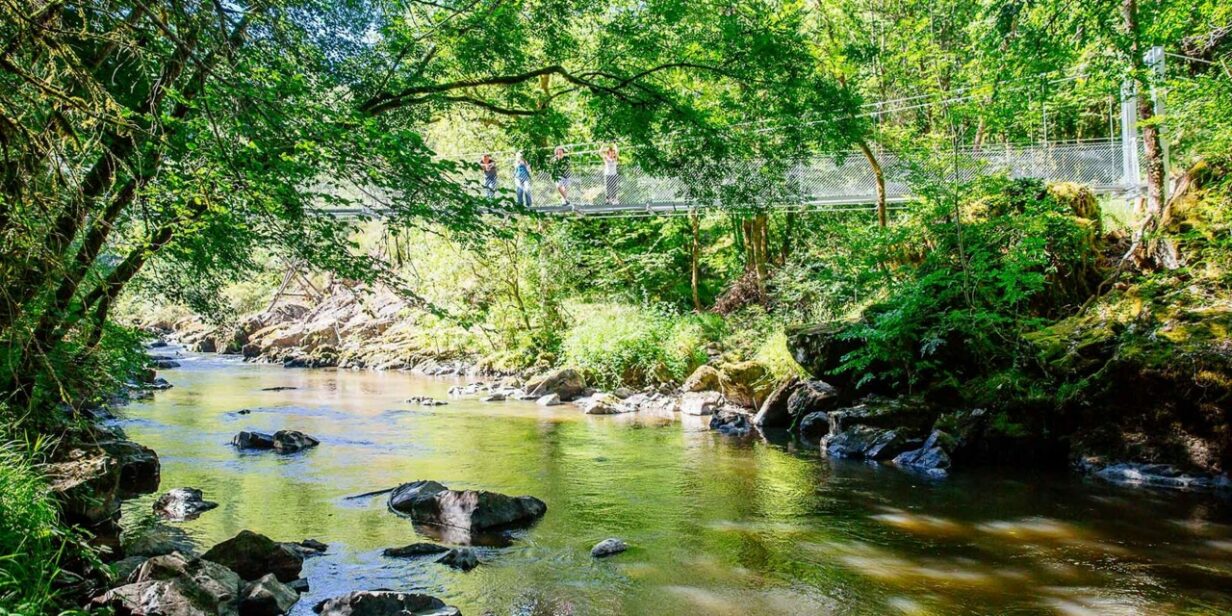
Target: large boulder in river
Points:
(868, 443)
(182, 504)
(253, 555)
(429, 502)
(291, 441)
(384, 603)
(253, 440)
(174, 585)
(773, 412)
(811, 397)
(564, 382)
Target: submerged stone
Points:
(608, 547)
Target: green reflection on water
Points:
(718, 526)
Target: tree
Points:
(169, 139)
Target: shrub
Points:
(1021, 256)
(616, 344)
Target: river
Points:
(717, 525)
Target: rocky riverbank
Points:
(349, 328)
(933, 433)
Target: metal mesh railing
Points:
(825, 181)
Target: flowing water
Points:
(717, 525)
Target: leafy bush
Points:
(617, 344)
(1021, 256)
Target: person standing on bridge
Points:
(521, 180)
(611, 175)
(489, 175)
(562, 174)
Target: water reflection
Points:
(718, 526)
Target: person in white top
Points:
(611, 175)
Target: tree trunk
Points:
(879, 177)
(694, 260)
(1148, 249)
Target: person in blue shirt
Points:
(521, 180)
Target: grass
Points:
(31, 536)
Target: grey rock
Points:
(291, 441)
(429, 502)
(773, 412)
(267, 597)
(182, 504)
(415, 549)
(564, 382)
(608, 547)
(175, 585)
(868, 443)
(701, 402)
(933, 458)
(603, 404)
(463, 559)
(493, 397)
(549, 400)
(253, 555)
(384, 603)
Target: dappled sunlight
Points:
(919, 524)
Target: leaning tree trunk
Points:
(1148, 248)
(879, 177)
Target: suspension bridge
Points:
(843, 181)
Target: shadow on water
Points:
(716, 525)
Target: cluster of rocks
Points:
(282, 441)
(472, 512)
(249, 574)
(347, 328)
